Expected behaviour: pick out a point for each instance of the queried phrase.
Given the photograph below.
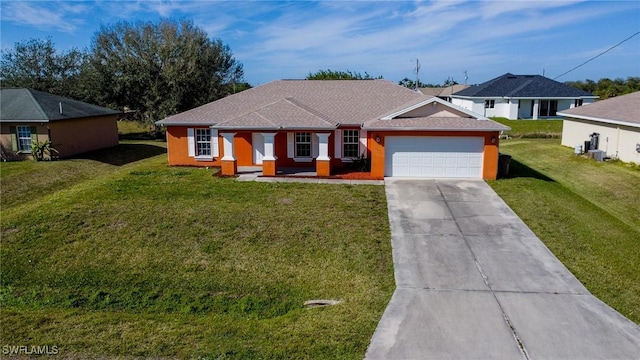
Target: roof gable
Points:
(434, 114)
(430, 106)
(20, 104)
(522, 86)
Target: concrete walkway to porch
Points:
(299, 175)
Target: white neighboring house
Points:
(615, 120)
(521, 97)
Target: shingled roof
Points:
(27, 105)
(319, 103)
(522, 86)
(623, 109)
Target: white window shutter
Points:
(363, 143)
(191, 142)
(215, 148)
(337, 144)
(291, 145)
(315, 146)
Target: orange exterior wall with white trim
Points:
(489, 157)
(177, 146)
(178, 149)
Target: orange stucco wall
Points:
(490, 156)
(178, 152)
(177, 145)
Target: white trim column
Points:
(229, 163)
(269, 146)
(536, 106)
(323, 161)
(229, 150)
(269, 159)
(323, 146)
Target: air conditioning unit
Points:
(597, 155)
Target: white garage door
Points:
(433, 157)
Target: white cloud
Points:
(44, 16)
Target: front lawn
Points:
(137, 258)
(586, 212)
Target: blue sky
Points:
(287, 40)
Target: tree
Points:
(36, 64)
(339, 75)
(449, 82)
(159, 69)
(408, 83)
(606, 88)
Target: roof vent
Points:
(60, 103)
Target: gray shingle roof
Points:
(322, 104)
(522, 86)
(624, 108)
(346, 102)
(25, 105)
(436, 123)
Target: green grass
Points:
(135, 130)
(532, 128)
(146, 260)
(586, 212)
(25, 181)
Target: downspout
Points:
(618, 142)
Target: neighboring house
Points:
(521, 97)
(615, 122)
(72, 126)
(329, 123)
(443, 93)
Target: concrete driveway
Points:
(473, 282)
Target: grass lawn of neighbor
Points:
(586, 212)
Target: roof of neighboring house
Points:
(442, 91)
(316, 104)
(624, 109)
(27, 105)
(522, 86)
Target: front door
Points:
(258, 148)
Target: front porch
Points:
(272, 160)
(303, 172)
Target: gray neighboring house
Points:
(615, 122)
(72, 126)
(521, 97)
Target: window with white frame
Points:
(303, 145)
(489, 104)
(24, 138)
(350, 143)
(577, 102)
(203, 142)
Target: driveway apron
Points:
(474, 282)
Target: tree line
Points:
(150, 70)
(606, 88)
